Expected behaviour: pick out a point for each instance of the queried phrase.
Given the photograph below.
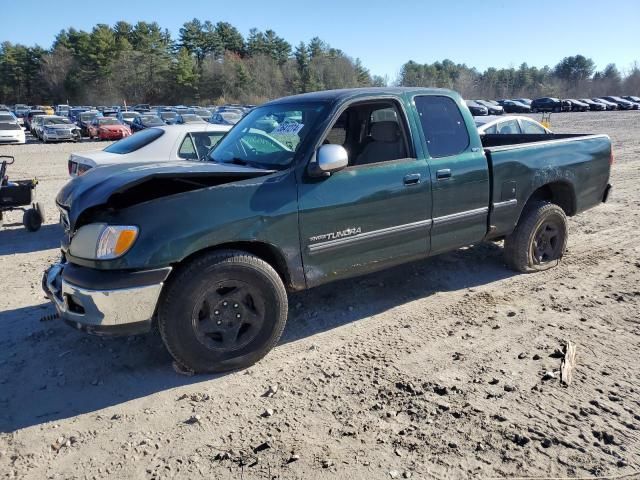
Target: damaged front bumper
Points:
(104, 302)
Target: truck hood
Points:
(120, 186)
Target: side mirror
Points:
(329, 159)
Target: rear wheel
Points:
(223, 311)
(539, 240)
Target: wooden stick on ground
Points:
(568, 363)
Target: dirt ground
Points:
(432, 370)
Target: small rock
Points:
(452, 445)
(327, 462)
(511, 314)
(271, 391)
(394, 473)
(261, 447)
(397, 452)
(406, 474)
(536, 357)
(293, 458)
(267, 413)
(520, 440)
(494, 381)
(546, 443)
(441, 390)
(509, 388)
(194, 419)
(522, 356)
(548, 375)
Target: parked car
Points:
(300, 207)
(546, 104)
(494, 109)
(633, 99)
(47, 109)
(110, 112)
(183, 118)
(526, 101)
(74, 112)
(156, 144)
(28, 118)
(513, 106)
(476, 109)
(141, 108)
(10, 129)
(509, 125)
(127, 118)
(62, 110)
(107, 128)
(577, 105)
(53, 128)
(85, 119)
(20, 109)
(594, 106)
(169, 117)
(201, 112)
(4, 108)
(621, 102)
(227, 117)
(145, 121)
(609, 105)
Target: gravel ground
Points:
(432, 370)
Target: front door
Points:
(375, 212)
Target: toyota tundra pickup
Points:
(306, 190)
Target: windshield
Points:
(88, 116)
(129, 114)
(152, 121)
(202, 112)
(249, 144)
(166, 115)
(57, 121)
(108, 121)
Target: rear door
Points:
(459, 174)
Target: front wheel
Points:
(223, 311)
(539, 240)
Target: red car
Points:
(107, 128)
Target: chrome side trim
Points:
(460, 216)
(363, 237)
(507, 203)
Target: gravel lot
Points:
(431, 370)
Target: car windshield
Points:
(129, 114)
(87, 117)
(170, 115)
(152, 121)
(57, 121)
(202, 112)
(7, 118)
(191, 118)
(249, 144)
(108, 121)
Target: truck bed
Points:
(576, 165)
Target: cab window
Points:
(371, 132)
(187, 149)
(444, 129)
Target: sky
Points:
(383, 34)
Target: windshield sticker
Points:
(288, 128)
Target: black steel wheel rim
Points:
(547, 243)
(228, 315)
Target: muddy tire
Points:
(222, 311)
(539, 240)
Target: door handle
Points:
(443, 174)
(412, 179)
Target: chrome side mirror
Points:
(329, 159)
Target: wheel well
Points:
(264, 251)
(560, 193)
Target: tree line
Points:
(573, 77)
(214, 63)
(207, 63)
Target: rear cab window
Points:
(135, 141)
(443, 125)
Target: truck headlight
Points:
(99, 241)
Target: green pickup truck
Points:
(305, 190)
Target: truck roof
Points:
(346, 93)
